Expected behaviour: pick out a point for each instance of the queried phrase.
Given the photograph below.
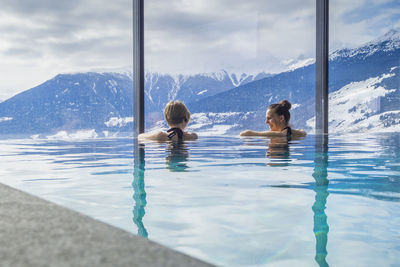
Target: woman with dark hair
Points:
(277, 118)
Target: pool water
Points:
(227, 200)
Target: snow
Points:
(178, 81)
(209, 123)
(158, 126)
(377, 124)
(356, 107)
(388, 42)
(301, 63)
(294, 106)
(109, 134)
(391, 36)
(150, 79)
(174, 87)
(118, 122)
(94, 88)
(202, 92)
(113, 85)
(82, 134)
(2, 119)
(234, 78)
(218, 75)
(218, 122)
(216, 130)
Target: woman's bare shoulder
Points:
(153, 136)
(299, 133)
(163, 136)
(190, 136)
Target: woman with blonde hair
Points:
(177, 116)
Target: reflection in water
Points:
(278, 151)
(178, 155)
(320, 175)
(139, 193)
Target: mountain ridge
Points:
(103, 102)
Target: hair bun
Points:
(286, 104)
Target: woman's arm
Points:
(265, 133)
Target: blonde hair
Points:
(176, 112)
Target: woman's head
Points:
(278, 115)
(176, 112)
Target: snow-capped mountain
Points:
(384, 44)
(364, 96)
(162, 88)
(103, 102)
(377, 61)
(357, 107)
(70, 102)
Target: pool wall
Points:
(35, 232)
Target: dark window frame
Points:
(321, 64)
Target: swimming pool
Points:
(230, 201)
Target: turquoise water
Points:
(230, 201)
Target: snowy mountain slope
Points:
(102, 102)
(162, 88)
(364, 96)
(374, 59)
(69, 102)
(357, 108)
(211, 123)
(386, 43)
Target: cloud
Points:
(45, 37)
(234, 35)
(353, 23)
(50, 37)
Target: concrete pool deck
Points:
(35, 232)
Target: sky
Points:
(42, 38)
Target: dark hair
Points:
(282, 109)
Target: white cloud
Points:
(232, 35)
(43, 38)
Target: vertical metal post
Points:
(138, 66)
(322, 64)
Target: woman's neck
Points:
(284, 126)
(179, 125)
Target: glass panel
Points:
(56, 60)
(364, 66)
(228, 61)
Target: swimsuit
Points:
(175, 131)
(288, 132)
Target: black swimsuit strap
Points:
(174, 131)
(288, 132)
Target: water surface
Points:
(227, 200)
